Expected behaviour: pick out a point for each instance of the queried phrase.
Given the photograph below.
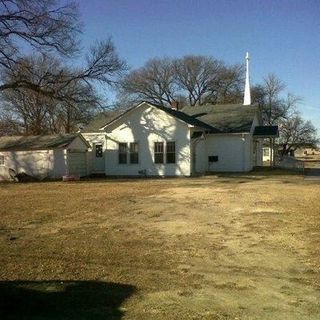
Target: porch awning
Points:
(266, 132)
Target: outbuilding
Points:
(47, 156)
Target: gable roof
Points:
(99, 121)
(187, 118)
(15, 143)
(175, 113)
(229, 118)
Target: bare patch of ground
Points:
(227, 247)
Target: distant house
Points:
(44, 156)
(307, 151)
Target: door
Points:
(77, 163)
(98, 158)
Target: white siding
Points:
(93, 139)
(200, 157)
(234, 153)
(35, 163)
(76, 154)
(78, 144)
(147, 125)
(258, 161)
(41, 163)
(59, 163)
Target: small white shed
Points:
(51, 156)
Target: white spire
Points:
(247, 94)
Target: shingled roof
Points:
(232, 118)
(100, 120)
(188, 118)
(15, 143)
(175, 113)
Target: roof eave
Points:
(265, 136)
(122, 114)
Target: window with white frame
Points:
(123, 153)
(134, 152)
(158, 152)
(1, 160)
(171, 152)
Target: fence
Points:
(288, 162)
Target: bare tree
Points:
(40, 113)
(268, 97)
(229, 88)
(40, 25)
(153, 82)
(295, 133)
(198, 76)
(195, 79)
(103, 66)
(51, 29)
(281, 110)
(43, 92)
(10, 125)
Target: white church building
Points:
(153, 140)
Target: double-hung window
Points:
(122, 153)
(134, 152)
(171, 152)
(158, 152)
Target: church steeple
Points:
(247, 93)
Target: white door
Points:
(98, 158)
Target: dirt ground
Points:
(216, 247)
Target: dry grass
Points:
(228, 247)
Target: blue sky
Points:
(282, 37)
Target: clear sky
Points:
(282, 37)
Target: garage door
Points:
(77, 163)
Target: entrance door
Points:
(98, 158)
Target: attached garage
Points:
(44, 156)
(77, 163)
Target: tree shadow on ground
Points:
(81, 300)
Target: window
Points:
(122, 153)
(213, 158)
(99, 152)
(134, 154)
(158, 152)
(171, 152)
(1, 160)
(266, 152)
